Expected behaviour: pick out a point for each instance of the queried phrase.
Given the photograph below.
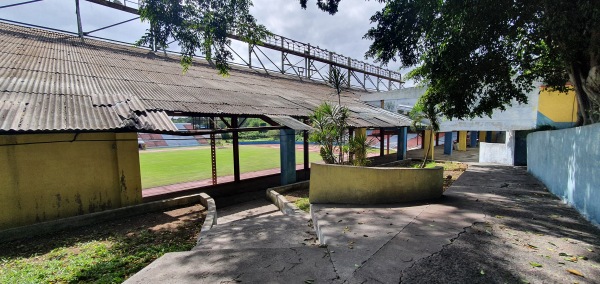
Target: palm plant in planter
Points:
(330, 124)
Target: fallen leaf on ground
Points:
(552, 244)
(535, 264)
(499, 216)
(576, 272)
(571, 259)
(532, 246)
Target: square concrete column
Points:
(402, 143)
(482, 136)
(462, 141)
(287, 153)
(474, 139)
(428, 143)
(448, 143)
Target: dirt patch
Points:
(187, 221)
(294, 195)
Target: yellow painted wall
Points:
(42, 179)
(558, 107)
(371, 185)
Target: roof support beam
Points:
(109, 26)
(78, 12)
(213, 153)
(236, 149)
(305, 142)
(18, 4)
(381, 141)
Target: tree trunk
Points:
(586, 82)
(427, 150)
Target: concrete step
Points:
(266, 232)
(257, 208)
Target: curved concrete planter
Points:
(373, 185)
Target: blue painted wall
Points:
(567, 161)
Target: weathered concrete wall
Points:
(371, 185)
(568, 161)
(46, 176)
(498, 153)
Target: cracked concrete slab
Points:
(354, 234)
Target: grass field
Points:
(183, 165)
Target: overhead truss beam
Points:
(286, 46)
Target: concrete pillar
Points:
(429, 143)
(474, 139)
(448, 143)
(287, 154)
(510, 146)
(128, 169)
(402, 142)
(462, 141)
(482, 136)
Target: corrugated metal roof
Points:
(53, 81)
(289, 122)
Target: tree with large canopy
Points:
(474, 56)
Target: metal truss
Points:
(277, 54)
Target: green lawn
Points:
(169, 167)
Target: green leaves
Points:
(330, 123)
(478, 56)
(535, 264)
(200, 27)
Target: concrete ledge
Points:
(286, 207)
(373, 185)
(93, 218)
(211, 214)
(316, 224)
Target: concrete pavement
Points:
(495, 224)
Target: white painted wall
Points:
(515, 117)
(498, 153)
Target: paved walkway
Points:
(496, 224)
